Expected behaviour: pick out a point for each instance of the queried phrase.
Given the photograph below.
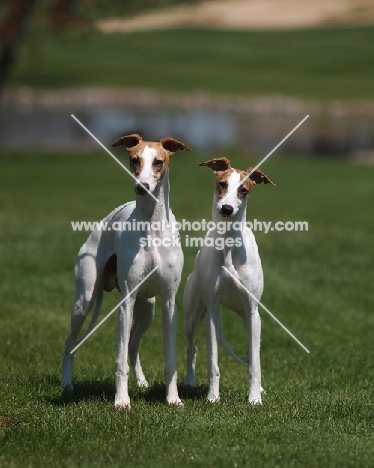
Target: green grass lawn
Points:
(318, 63)
(318, 410)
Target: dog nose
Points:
(141, 189)
(227, 210)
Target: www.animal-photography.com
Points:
(186, 233)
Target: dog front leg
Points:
(122, 399)
(253, 327)
(212, 323)
(169, 325)
(144, 311)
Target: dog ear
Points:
(129, 141)
(220, 164)
(258, 177)
(172, 145)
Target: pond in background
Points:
(255, 125)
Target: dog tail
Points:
(95, 315)
(222, 339)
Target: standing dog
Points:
(121, 258)
(209, 285)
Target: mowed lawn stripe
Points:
(313, 63)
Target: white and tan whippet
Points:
(122, 258)
(233, 247)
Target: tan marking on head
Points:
(222, 185)
(160, 161)
(223, 170)
(165, 148)
(246, 187)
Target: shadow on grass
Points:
(99, 390)
(104, 391)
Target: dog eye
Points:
(135, 160)
(158, 162)
(243, 190)
(222, 184)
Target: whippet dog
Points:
(210, 285)
(121, 258)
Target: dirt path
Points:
(251, 14)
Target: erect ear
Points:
(258, 177)
(172, 145)
(220, 164)
(129, 141)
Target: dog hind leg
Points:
(85, 281)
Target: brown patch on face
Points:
(245, 188)
(222, 169)
(165, 148)
(222, 185)
(136, 163)
(159, 164)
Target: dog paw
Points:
(213, 398)
(142, 384)
(175, 402)
(122, 405)
(255, 401)
(122, 402)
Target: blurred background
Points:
(218, 74)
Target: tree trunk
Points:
(12, 31)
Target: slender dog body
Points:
(230, 246)
(140, 236)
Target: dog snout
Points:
(142, 189)
(227, 210)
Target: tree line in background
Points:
(56, 15)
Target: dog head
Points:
(233, 186)
(149, 160)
